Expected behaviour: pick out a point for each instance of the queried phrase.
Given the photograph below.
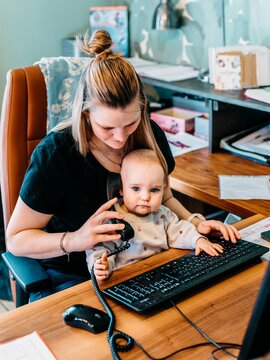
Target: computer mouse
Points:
(87, 318)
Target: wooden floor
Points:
(6, 306)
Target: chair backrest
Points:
(23, 125)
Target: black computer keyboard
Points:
(185, 274)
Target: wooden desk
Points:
(222, 311)
(196, 175)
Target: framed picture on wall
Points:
(113, 19)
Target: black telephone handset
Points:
(113, 186)
(113, 336)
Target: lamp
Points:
(164, 16)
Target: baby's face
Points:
(143, 186)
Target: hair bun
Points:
(99, 43)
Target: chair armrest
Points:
(28, 272)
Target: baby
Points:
(156, 227)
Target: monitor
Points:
(257, 338)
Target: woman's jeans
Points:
(61, 281)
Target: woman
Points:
(62, 207)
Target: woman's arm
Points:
(204, 227)
(175, 206)
(25, 236)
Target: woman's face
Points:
(113, 126)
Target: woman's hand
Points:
(214, 227)
(101, 267)
(96, 229)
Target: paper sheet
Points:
(253, 232)
(165, 72)
(183, 142)
(29, 347)
(244, 187)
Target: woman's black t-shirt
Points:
(60, 181)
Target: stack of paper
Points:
(28, 347)
(244, 187)
(252, 144)
(257, 142)
(262, 94)
(165, 72)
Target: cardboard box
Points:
(175, 119)
(201, 127)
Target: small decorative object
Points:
(164, 16)
(113, 19)
(229, 74)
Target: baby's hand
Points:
(210, 248)
(101, 267)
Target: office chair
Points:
(28, 111)
(23, 125)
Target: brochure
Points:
(228, 73)
(253, 232)
(182, 143)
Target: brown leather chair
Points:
(23, 125)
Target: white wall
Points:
(31, 29)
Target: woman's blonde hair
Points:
(112, 81)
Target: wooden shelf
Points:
(195, 87)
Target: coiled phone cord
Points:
(113, 337)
